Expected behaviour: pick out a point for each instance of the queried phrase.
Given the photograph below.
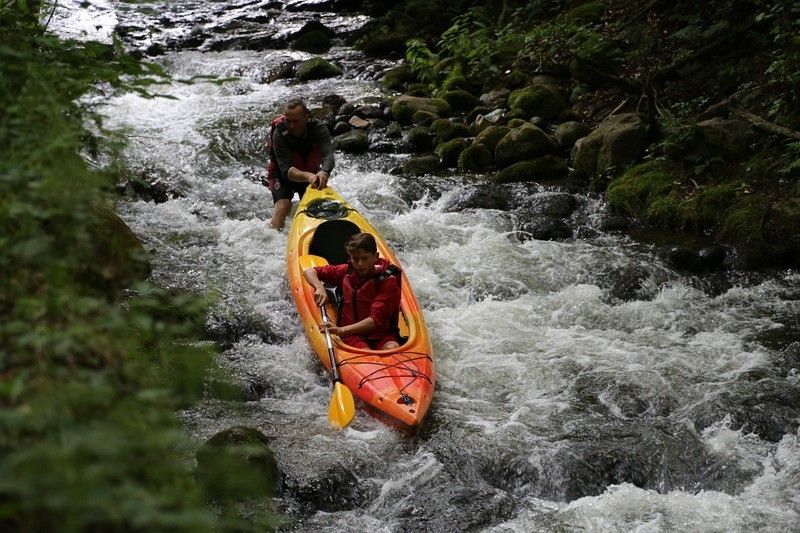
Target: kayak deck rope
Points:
(399, 364)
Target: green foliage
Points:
(90, 377)
(421, 60)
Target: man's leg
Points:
(280, 212)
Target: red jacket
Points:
(366, 297)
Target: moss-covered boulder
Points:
(421, 165)
(474, 158)
(491, 136)
(397, 78)
(420, 139)
(394, 131)
(616, 143)
(315, 42)
(495, 98)
(569, 132)
(384, 43)
(641, 190)
(352, 142)
(522, 144)
(404, 107)
(445, 129)
(460, 101)
(495, 118)
(236, 465)
(547, 168)
(456, 80)
(418, 89)
(729, 139)
(517, 112)
(516, 79)
(516, 123)
(424, 118)
(317, 68)
(449, 151)
(538, 101)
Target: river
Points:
(583, 384)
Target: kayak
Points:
(395, 385)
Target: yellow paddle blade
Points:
(341, 409)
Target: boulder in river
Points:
(491, 136)
(314, 42)
(460, 100)
(495, 98)
(398, 77)
(485, 197)
(353, 142)
(445, 130)
(616, 143)
(537, 100)
(474, 158)
(569, 132)
(547, 168)
(420, 138)
(450, 150)
(317, 68)
(404, 107)
(420, 166)
(546, 228)
(524, 143)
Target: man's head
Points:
(297, 115)
(363, 252)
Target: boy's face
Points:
(363, 261)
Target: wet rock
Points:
(518, 113)
(353, 142)
(627, 284)
(460, 101)
(397, 78)
(424, 118)
(333, 6)
(552, 204)
(394, 131)
(495, 118)
(496, 98)
(546, 229)
(404, 107)
(491, 136)
(334, 102)
(472, 115)
(347, 109)
(369, 111)
(341, 127)
(517, 122)
(383, 147)
(475, 158)
(455, 507)
(450, 150)
(569, 132)
(615, 223)
(314, 42)
(317, 68)
(420, 166)
(312, 27)
(446, 130)
(418, 89)
(730, 139)
(537, 100)
(547, 168)
(359, 123)
(696, 260)
(381, 44)
(569, 115)
(616, 143)
(236, 465)
(479, 198)
(331, 490)
(420, 138)
(524, 143)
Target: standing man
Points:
(301, 154)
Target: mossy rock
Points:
(317, 68)
(616, 143)
(460, 100)
(516, 122)
(421, 165)
(455, 80)
(352, 142)
(446, 129)
(524, 143)
(517, 112)
(547, 168)
(120, 260)
(491, 136)
(568, 133)
(474, 158)
(449, 151)
(635, 191)
(743, 220)
(404, 107)
(397, 78)
(589, 13)
(538, 101)
(236, 465)
(384, 43)
(420, 138)
(394, 131)
(424, 118)
(707, 208)
(419, 89)
(516, 79)
(315, 42)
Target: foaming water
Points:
(582, 384)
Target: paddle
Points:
(341, 408)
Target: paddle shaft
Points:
(331, 352)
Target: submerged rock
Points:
(331, 490)
(487, 197)
(419, 166)
(546, 228)
(317, 68)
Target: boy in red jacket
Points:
(371, 295)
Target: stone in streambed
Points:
(487, 197)
(424, 118)
(420, 139)
(420, 166)
(450, 150)
(617, 142)
(341, 127)
(315, 42)
(404, 107)
(317, 68)
(547, 168)
(524, 143)
(460, 100)
(491, 136)
(353, 142)
(537, 100)
(445, 129)
(474, 158)
(569, 132)
(397, 78)
(546, 229)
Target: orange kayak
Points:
(395, 385)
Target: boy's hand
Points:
(330, 328)
(320, 296)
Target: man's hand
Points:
(320, 296)
(320, 180)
